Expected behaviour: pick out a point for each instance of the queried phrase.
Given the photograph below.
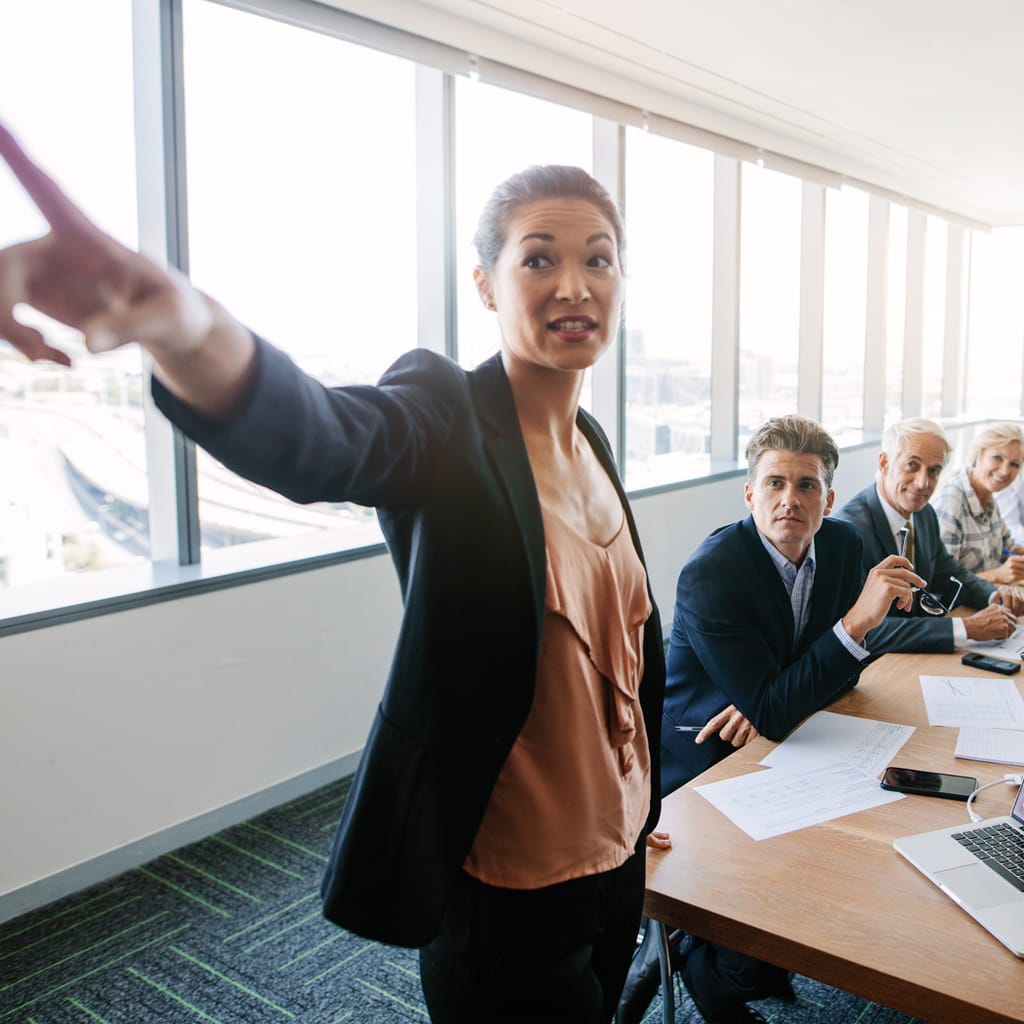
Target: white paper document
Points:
(968, 700)
(769, 803)
(827, 737)
(1002, 746)
(1012, 647)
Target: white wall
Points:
(124, 735)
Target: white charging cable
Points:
(1009, 778)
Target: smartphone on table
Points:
(922, 783)
(975, 660)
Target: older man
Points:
(893, 512)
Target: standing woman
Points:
(498, 816)
(970, 522)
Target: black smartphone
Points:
(921, 783)
(1000, 665)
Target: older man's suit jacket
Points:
(913, 631)
(732, 642)
(439, 452)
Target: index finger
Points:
(61, 214)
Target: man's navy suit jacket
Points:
(440, 453)
(916, 630)
(732, 642)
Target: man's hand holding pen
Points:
(730, 724)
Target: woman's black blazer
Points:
(439, 452)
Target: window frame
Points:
(176, 570)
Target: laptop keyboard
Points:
(1001, 847)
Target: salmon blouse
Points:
(573, 796)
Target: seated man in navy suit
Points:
(770, 623)
(914, 453)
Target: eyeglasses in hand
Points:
(933, 604)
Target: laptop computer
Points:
(965, 862)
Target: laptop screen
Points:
(1018, 805)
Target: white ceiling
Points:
(921, 97)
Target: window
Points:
(769, 297)
(498, 132)
(304, 174)
(669, 226)
(845, 312)
(73, 488)
(995, 352)
(896, 309)
(934, 342)
(302, 221)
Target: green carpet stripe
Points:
(256, 857)
(311, 951)
(270, 917)
(164, 990)
(231, 981)
(339, 964)
(213, 878)
(333, 802)
(393, 997)
(319, 794)
(184, 892)
(403, 969)
(70, 910)
(87, 949)
(72, 927)
(89, 1013)
(287, 842)
(95, 970)
(282, 931)
(344, 1016)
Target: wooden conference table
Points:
(835, 901)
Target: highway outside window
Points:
(74, 496)
(302, 221)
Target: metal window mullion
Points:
(170, 457)
(176, 215)
(607, 395)
(436, 270)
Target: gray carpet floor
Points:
(229, 931)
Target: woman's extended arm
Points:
(82, 277)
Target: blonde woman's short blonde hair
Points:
(995, 436)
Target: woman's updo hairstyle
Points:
(543, 181)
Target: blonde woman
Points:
(970, 523)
